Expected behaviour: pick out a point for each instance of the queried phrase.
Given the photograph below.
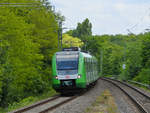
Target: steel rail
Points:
(44, 102)
(139, 106)
(141, 84)
(37, 104)
(59, 104)
(130, 86)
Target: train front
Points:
(65, 70)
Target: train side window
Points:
(91, 66)
(88, 65)
(94, 67)
(85, 63)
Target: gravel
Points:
(124, 104)
(144, 101)
(140, 89)
(80, 104)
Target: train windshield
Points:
(67, 64)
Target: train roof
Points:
(87, 55)
(66, 52)
(74, 50)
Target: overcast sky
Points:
(106, 16)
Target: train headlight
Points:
(79, 76)
(56, 77)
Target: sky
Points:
(106, 16)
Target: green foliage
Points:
(83, 29)
(133, 51)
(69, 41)
(145, 38)
(28, 101)
(132, 58)
(102, 46)
(28, 39)
(83, 32)
(108, 76)
(144, 76)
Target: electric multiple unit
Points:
(73, 70)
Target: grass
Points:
(142, 87)
(103, 104)
(27, 101)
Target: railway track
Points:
(46, 105)
(140, 99)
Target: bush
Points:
(143, 77)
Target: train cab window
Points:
(67, 64)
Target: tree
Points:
(28, 39)
(69, 41)
(83, 31)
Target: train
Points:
(73, 70)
